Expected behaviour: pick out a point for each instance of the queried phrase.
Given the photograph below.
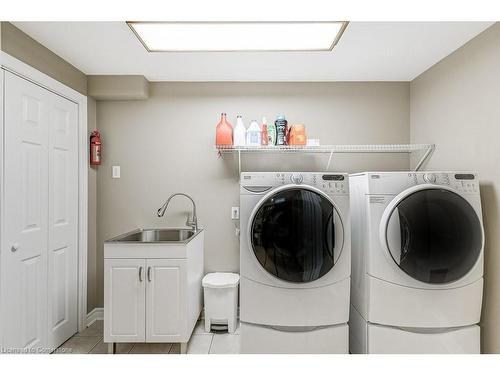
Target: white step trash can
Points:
(221, 299)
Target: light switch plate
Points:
(116, 171)
(235, 213)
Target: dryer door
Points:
(433, 234)
(296, 233)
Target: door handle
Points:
(149, 274)
(140, 274)
(14, 247)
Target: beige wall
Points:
(456, 104)
(165, 145)
(21, 46)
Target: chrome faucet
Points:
(193, 223)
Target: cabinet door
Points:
(165, 296)
(124, 300)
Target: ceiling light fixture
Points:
(238, 36)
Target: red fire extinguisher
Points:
(95, 148)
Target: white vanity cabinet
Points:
(152, 290)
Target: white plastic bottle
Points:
(239, 132)
(254, 134)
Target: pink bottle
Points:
(224, 132)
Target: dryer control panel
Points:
(462, 182)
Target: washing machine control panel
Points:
(462, 182)
(330, 183)
(334, 183)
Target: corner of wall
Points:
(118, 87)
(92, 217)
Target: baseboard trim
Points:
(94, 315)
(98, 314)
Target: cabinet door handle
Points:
(140, 274)
(149, 274)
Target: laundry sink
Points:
(176, 235)
(174, 243)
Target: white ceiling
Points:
(368, 51)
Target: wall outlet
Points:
(116, 171)
(235, 213)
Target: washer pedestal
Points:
(256, 339)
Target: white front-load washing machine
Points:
(294, 262)
(417, 262)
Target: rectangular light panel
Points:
(238, 36)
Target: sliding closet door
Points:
(39, 251)
(63, 220)
(24, 248)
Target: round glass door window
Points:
(434, 235)
(297, 235)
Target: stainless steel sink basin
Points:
(173, 235)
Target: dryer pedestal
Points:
(257, 339)
(368, 338)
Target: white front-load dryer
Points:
(294, 262)
(417, 268)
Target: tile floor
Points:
(90, 342)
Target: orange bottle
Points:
(265, 135)
(297, 135)
(223, 132)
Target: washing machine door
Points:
(432, 233)
(296, 233)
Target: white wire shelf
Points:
(394, 148)
(426, 148)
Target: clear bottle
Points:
(271, 132)
(240, 131)
(223, 132)
(254, 134)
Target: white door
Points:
(63, 221)
(24, 247)
(124, 300)
(164, 296)
(40, 211)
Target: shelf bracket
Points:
(329, 161)
(426, 155)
